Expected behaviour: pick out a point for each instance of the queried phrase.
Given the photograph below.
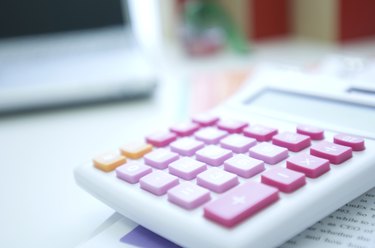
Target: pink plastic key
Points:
(158, 182)
(132, 171)
(284, 179)
(244, 166)
(237, 143)
(186, 146)
(205, 120)
(260, 133)
(232, 126)
(160, 158)
(213, 155)
(311, 166)
(188, 195)
(186, 168)
(217, 180)
(268, 153)
(355, 142)
(185, 129)
(292, 141)
(314, 133)
(161, 139)
(210, 135)
(336, 154)
(240, 203)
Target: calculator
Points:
(286, 151)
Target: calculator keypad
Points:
(231, 168)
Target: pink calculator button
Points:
(315, 133)
(355, 142)
(213, 155)
(205, 119)
(186, 146)
(268, 153)
(260, 133)
(311, 166)
(161, 139)
(217, 180)
(158, 182)
(244, 166)
(210, 135)
(132, 171)
(237, 143)
(232, 126)
(185, 129)
(240, 203)
(336, 154)
(292, 141)
(160, 158)
(188, 195)
(284, 179)
(186, 168)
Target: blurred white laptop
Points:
(58, 53)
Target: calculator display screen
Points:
(345, 114)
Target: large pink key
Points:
(188, 195)
(315, 133)
(292, 141)
(205, 120)
(244, 166)
(232, 126)
(186, 146)
(210, 135)
(186, 168)
(213, 155)
(217, 180)
(240, 203)
(260, 133)
(185, 129)
(336, 154)
(355, 142)
(269, 153)
(284, 179)
(237, 143)
(311, 166)
(160, 158)
(158, 182)
(132, 171)
(161, 139)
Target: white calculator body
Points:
(279, 99)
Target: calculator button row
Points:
(239, 203)
(311, 166)
(335, 153)
(284, 179)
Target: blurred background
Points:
(79, 77)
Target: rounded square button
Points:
(232, 126)
(188, 195)
(311, 166)
(158, 182)
(284, 179)
(244, 166)
(109, 161)
(186, 146)
(185, 129)
(132, 171)
(213, 155)
(315, 133)
(260, 132)
(161, 139)
(292, 141)
(268, 153)
(336, 154)
(186, 168)
(217, 180)
(210, 135)
(160, 158)
(355, 142)
(237, 143)
(135, 150)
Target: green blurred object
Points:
(205, 14)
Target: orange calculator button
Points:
(109, 161)
(135, 150)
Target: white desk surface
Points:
(41, 206)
